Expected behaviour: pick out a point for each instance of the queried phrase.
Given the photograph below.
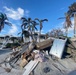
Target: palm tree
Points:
(3, 21)
(34, 24)
(28, 24)
(32, 27)
(67, 22)
(72, 13)
(41, 26)
(25, 24)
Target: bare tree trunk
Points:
(74, 24)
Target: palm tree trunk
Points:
(34, 35)
(66, 31)
(39, 35)
(74, 24)
(24, 40)
(30, 38)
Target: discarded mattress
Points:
(58, 47)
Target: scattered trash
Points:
(39, 56)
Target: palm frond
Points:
(36, 28)
(23, 19)
(35, 23)
(1, 16)
(8, 23)
(44, 20)
(5, 17)
(24, 24)
(19, 33)
(61, 18)
(37, 19)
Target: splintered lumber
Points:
(25, 49)
(23, 63)
(44, 44)
(73, 43)
(30, 66)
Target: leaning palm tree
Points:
(72, 13)
(41, 26)
(3, 21)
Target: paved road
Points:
(3, 51)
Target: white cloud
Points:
(13, 30)
(15, 14)
(27, 13)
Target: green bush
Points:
(8, 45)
(11, 45)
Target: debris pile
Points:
(33, 53)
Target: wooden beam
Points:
(44, 44)
(30, 66)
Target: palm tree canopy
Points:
(72, 9)
(24, 25)
(29, 20)
(41, 26)
(25, 22)
(23, 19)
(35, 24)
(3, 20)
(44, 20)
(67, 22)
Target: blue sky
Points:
(50, 9)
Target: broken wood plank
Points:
(26, 49)
(72, 43)
(30, 66)
(44, 44)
